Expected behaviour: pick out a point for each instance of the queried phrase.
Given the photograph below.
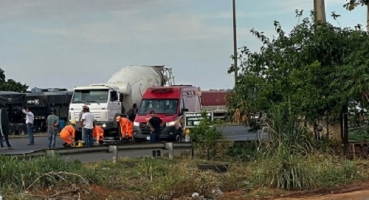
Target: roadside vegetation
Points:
(142, 178)
(292, 161)
(304, 77)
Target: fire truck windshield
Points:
(162, 106)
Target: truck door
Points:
(114, 105)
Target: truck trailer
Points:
(41, 103)
(215, 100)
(14, 102)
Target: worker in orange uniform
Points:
(126, 127)
(68, 134)
(98, 134)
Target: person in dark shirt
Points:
(132, 113)
(155, 124)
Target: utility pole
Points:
(319, 9)
(234, 43)
(367, 17)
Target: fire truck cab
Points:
(169, 103)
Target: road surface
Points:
(233, 133)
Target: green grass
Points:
(162, 178)
(293, 160)
(360, 134)
(21, 175)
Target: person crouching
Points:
(126, 127)
(98, 134)
(68, 134)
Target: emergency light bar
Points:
(161, 90)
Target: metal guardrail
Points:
(170, 146)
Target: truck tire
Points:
(178, 135)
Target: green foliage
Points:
(21, 173)
(164, 179)
(10, 84)
(206, 136)
(294, 172)
(286, 133)
(352, 4)
(142, 178)
(245, 152)
(360, 134)
(312, 72)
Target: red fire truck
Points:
(169, 103)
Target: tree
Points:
(10, 84)
(308, 72)
(352, 4)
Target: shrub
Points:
(206, 136)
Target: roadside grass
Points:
(359, 134)
(161, 178)
(291, 161)
(23, 175)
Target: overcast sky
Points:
(67, 43)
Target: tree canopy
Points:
(351, 4)
(311, 72)
(10, 84)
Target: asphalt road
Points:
(233, 133)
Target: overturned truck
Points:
(13, 102)
(41, 103)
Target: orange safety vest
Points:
(126, 127)
(98, 133)
(68, 131)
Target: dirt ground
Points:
(355, 191)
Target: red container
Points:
(213, 98)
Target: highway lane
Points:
(232, 133)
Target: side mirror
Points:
(184, 110)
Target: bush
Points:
(294, 172)
(206, 136)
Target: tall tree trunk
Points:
(344, 128)
(319, 9)
(341, 125)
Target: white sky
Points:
(67, 43)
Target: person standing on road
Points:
(68, 134)
(52, 122)
(80, 121)
(29, 122)
(132, 113)
(4, 126)
(155, 124)
(88, 124)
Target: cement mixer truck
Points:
(117, 95)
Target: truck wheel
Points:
(178, 138)
(178, 135)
